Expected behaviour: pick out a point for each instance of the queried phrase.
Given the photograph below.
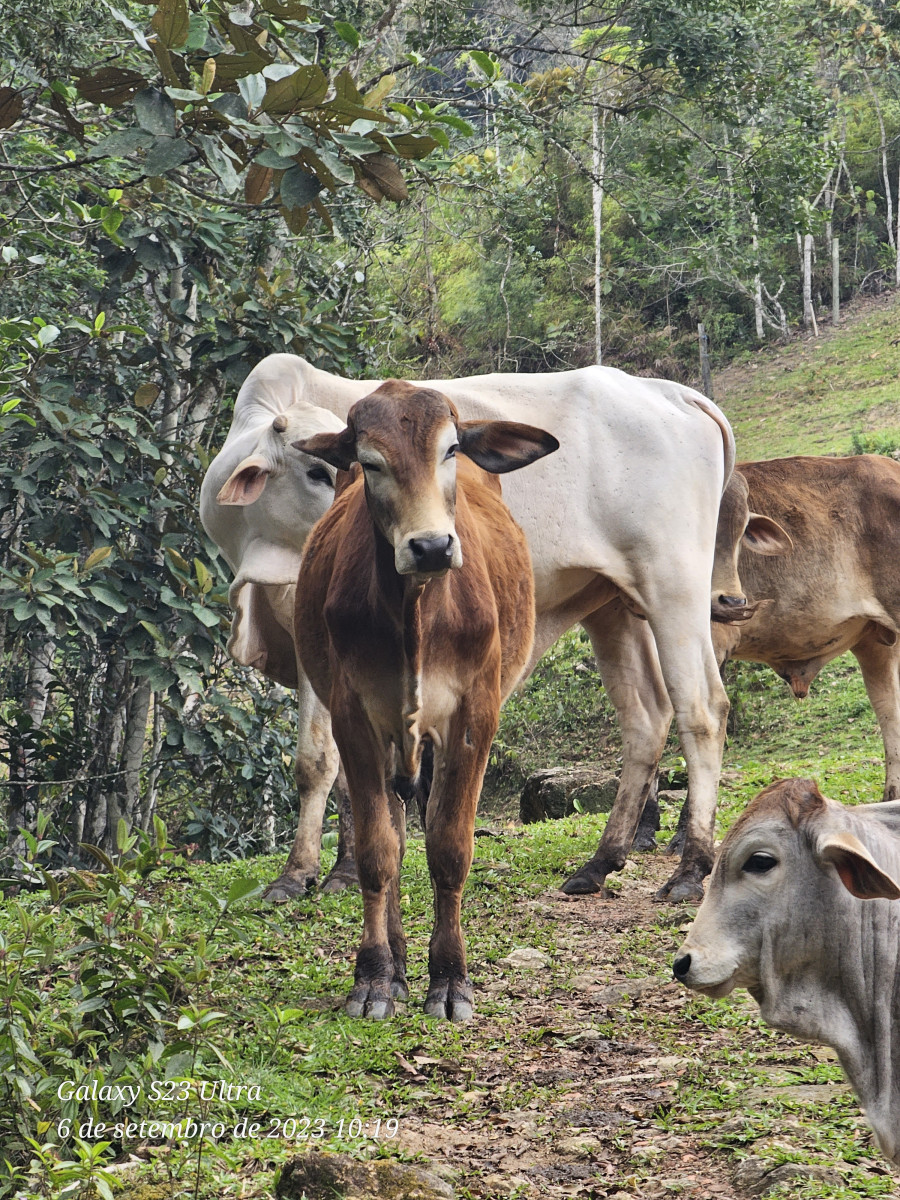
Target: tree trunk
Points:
(888, 198)
(757, 280)
(598, 148)
(24, 766)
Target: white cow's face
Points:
(297, 488)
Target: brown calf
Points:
(414, 620)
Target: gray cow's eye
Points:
(451, 453)
(759, 863)
(319, 475)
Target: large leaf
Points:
(220, 161)
(11, 105)
(298, 188)
(236, 66)
(259, 180)
(122, 144)
(409, 145)
(59, 106)
(155, 112)
(383, 171)
(172, 22)
(165, 154)
(285, 10)
(305, 88)
(111, 86)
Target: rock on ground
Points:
(320, 1176)
(552, 793)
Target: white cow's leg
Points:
(701, 708)
(344, 873)
(315, 768)
(880, 665)
(626, 656)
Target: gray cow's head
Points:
(795, 912)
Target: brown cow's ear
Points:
(501, 446)
(860, 873)
(246, 482)
(765, 536)
(337, 449)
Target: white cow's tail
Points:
(713, 410)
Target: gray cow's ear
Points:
(501, 446)
(765, 536)
(859, 872)
(337, 449)
(246, 482)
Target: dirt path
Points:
(605, 1058)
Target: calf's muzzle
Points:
(432, 554)
(681, 968)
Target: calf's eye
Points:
(759, 863)
(451, 453)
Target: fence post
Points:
(835, 281)
(705, 372)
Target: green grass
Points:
(812, 395)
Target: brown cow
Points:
(839, 587)
(414, 620)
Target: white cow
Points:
(621, 523)
(798, 912)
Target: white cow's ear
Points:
(246, 482)
(859, 872)
(765, 536)
(501, 446)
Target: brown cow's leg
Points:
(880, 665)
(449, 841)
(380, 973)
(315, 767)
(626, 656)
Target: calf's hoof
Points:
(341, 876)
(451, 1000)
(586, 881)
(289, 885)
(684, 886)
(371, 1000)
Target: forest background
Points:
(415, 190)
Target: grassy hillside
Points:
(812, 395)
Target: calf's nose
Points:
(432, 554)
(732, 601)
(681, 967)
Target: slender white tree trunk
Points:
(888, 198)
(598, 148)
(757, 279)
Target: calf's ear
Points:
(765, 536)
(337, 449)
(501, 446)
(859, 872)
(247, 481)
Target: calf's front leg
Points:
(449, 841)
(380, 974)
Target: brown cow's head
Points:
(406, 439)
(739, 527)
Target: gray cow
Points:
(798, 911)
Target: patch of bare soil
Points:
(597, 1134)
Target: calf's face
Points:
(776, 895)
(739, 528)
(406, 439)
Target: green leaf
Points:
(107, 597)
(485, 63)
(305, 88)
(241, 889)
(155, 112)
(166, 154)
(299, 188)
(346, 31)
(112, 219)
(121, 145)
